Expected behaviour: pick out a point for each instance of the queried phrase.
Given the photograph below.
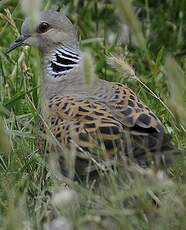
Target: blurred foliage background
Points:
(25, 186)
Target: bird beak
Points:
(18, 42)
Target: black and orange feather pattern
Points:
(106, 126)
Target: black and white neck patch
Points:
(64, 59)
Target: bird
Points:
(100, 122)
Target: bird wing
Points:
(120, 124)
(131, 112)
(86, 123)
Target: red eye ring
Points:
(43, 27)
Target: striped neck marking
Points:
(64, 59)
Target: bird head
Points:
(52, 29)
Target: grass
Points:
(124, 199)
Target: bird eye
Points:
(43, 27)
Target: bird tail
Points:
(156, 149)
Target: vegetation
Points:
(154, 45)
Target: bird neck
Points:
(61, 61)
(62, 70)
